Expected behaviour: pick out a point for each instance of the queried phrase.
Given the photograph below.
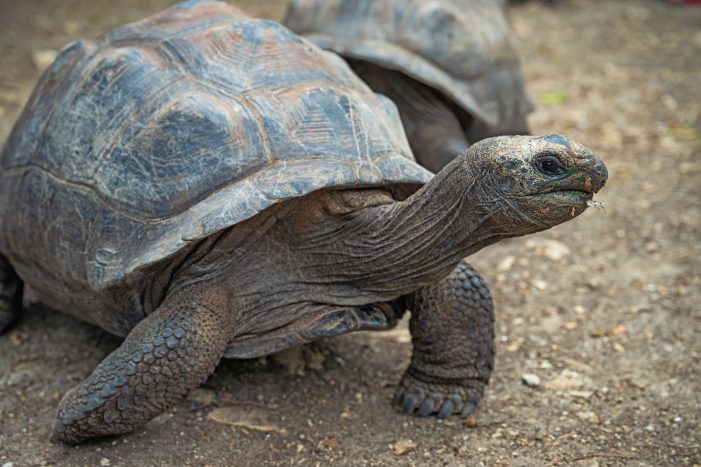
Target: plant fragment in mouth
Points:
(596, 204)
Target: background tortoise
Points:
(210, 185)
(449, 65)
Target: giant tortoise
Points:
(449, 65)
(209, 185)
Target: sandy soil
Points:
(603, 312)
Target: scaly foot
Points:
(422, 398)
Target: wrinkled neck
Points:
(397, 248)
(428, 234)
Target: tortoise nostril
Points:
(603, 173)
(601, 170)
(599, 175)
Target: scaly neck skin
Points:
(394, 249)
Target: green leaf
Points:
(551, 98)
(685, 134)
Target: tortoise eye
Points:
(550, 165)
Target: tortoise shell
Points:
(463, 49)
(137, 144)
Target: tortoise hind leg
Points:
(10, 295)
(172, 350)
(452, 328)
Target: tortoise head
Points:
(537, 181)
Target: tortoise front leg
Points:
(452, 328)
(171, 351)
(10, 295)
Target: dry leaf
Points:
(403, 446)
(604, 332)
(566, 381)
(328, 443)
(202, 396)
(471, 422)
(250, 417)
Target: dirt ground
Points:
(601, 314)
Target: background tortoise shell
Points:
(167, 130)
(464, 49)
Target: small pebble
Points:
(515, 345)
(581, 394)
(71, 27)
(588, 416)
(551, 249)
(506, 264)
(43, 58)
(104, 462)
(531, 379)
(652, 247)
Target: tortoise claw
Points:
(409, 404)
(468, 409)
(426, 408)
(446, 409)
(422, 399)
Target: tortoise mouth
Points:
(577, 189)
(569, 196)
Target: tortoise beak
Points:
(591, 171)
(598, 174)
